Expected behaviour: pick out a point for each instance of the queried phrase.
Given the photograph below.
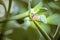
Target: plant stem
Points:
(9, 8)
(56, 31)
(10, 4)
(41, 30)
(29, 7)
(56, 35)
(22, 15)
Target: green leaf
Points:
(38, 7)
(54, 19)
(41, 11)
(53, 5)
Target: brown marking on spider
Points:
(35, 17)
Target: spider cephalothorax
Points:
(35, 17)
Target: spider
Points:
(35, 17)
(41, 17)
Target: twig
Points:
(42, 31)
(9, 8)
(56, 31)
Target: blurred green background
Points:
(15, 22)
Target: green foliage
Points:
(54, 19)
(15, 11)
